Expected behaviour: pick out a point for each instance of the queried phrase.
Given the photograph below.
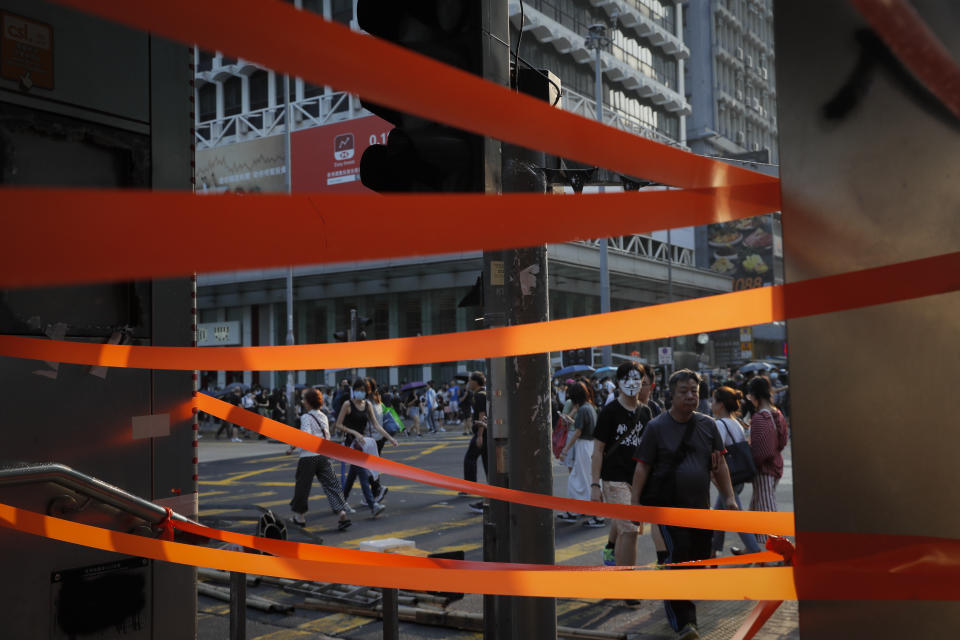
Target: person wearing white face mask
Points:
(618, 431)
(356, 417)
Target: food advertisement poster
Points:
(743, 250)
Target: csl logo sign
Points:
(343, 146)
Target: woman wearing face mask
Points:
(357, 415)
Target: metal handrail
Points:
(68, 478)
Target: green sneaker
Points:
(608, 559)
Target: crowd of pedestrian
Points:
(627, 442)
(623, 440)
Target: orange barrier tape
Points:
(327, 53)
(757, 618)
(881, 285)
(93, 231)
(748, 521)
(832, 565)
(916, 45)
(324, 553)
(720, 584)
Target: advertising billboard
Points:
(327, 159)
(743, 250)
(244, 167)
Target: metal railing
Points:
(92, 488)
(586, 107)
(310, 112)
(637, 246)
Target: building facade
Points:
(730, 79)
(241, 106)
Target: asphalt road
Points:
(237, 479)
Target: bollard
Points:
(391, 615)
(238, 606)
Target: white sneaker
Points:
(378, 508)
(350, 509)
(442, 430)
(236, 440)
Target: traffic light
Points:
(421, 155)
(360, 323)
(577, 356)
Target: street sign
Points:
(219, 334)
(665, 355)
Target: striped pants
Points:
(319, 466)
(764, 498)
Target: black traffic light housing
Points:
(577, 356)
(421, 155)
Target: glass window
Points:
(258, 90)
(232, 96)
(207, 102)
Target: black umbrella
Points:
(755, 366)
(573, 369)
(410, 386)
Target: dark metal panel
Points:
(874, 443)
(174, 456)
(98, 65)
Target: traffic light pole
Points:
(519, 391)
(496, 538)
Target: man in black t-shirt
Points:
(619, 426)
(679, 451)
(478, 445)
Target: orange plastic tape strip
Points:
(720, 584)
(881, 285)
(307, 551)
(831, 565)
(93, 231)
(749, 521)
(327, 53)
(917, 46)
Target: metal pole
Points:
(391, 614)
(527, 387)
(287, 125)
(673, 341)
(238, 605)
(598, 38)
(496, 68)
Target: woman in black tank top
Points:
(355, 414)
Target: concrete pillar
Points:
(426, 325)
(221, 375)
(859, 194)
(246, 330)
(681, 81)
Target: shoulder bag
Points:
(739, 459)
(660, 490)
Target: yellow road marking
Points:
(333, 623)
(419, 531)
(231, 480)
(270, 459)
(207, 494)
(594, 545)
(428, 451)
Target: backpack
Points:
(270, 526)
